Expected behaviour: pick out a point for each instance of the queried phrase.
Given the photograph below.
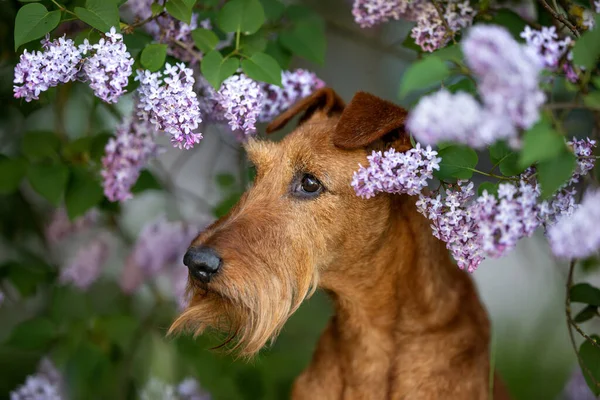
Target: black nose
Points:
(203, 262)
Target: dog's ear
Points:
(324, 100)
(368, 119)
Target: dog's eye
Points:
(306, 186)
(310, 184)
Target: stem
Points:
(559, 17)
(184, 46)
(449, 32)
(237, 39)
(130, 28)
(63, 8)
(505, 178)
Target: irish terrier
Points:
(408, 323)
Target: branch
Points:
(449, 31)
(130, 28)
(559, 17)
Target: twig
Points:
(449, 31)
(187, 48)
(130, 28)
(560, 18)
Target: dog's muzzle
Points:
(203, 263)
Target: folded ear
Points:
(324, 100)
(368, 118)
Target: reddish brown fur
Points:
(408, 323)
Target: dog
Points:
(408, 323)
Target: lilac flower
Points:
(296, 84)
(368, 13)
(86, 265)
(577, 388)
(547, 45)
(207, 98)
(577, 235)
(395, 172)
(188, 389)
(242, 99)
(38, 71)
(45, 384)
(508, 74)
(168, 101)
(60, 226)
(435, 119)
(597, 6)
(125, 156)
(108, 68)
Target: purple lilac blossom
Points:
(169, 102)
(577, 388)
(46, 384)
(296, 85)
(187, 389)
(597, 6)
(125, 156)
(108, 68)
(86, 266)
(241, 98)
(507, 73)
(435, 119)
(38, 71)
(396, 172)
(577, 235)
(60, 226)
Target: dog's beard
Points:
(250, 313)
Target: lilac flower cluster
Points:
(577, 235)
(551, 50)
(60, 226)
(430, 31)
(38, 71)
(169, 102)
(125, 156)
(241, 98)
(108, 68)
(86, 265)
(396, 172)
(577, 388)
(296, 85)
(188, 389)
(46, 384)
(508, 76)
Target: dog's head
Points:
(300, 223)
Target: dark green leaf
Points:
(283, 57)
(12, 171)
(226, 204)
(509, 20)
(307, 40)
(490, 187)
(49, 181)
(463, 85)
(98, 144)
(273, 9)
(136, 42)
(590, 358)
(585, 293)
(540, 143)
(146, 181)
(205, 39)
(246, 16)
(253, 43)
(68, 304)
(457, 162)
(153, 56)
(100, 14)
(157, 8)
(119, 329)
(450, 53)
(587, 48)
(216, 69)
(592, 100)
(37, 145)
(34, 334)
(299, 12)
(181, 9)
(33, 21)
(409, 43)
(423, 74)
(505, 158)
(83, 192)
(28, 274)
(225, 180)
(77, 147)
(262, 67)
(586, 314)
(590, 264)
(86, 370)
(554, 173)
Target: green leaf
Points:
(586, 314)
(37, 145)
(33, 21)
(552, 174)
(181, 9)
(307, 40)
(98, 144)
(283, 57)
(157, 8)
(153, 56)
(49, 181)
(253, 44)
(490, 187)
(226, 204)
(509, 20)
(12, 171)
(246, 16)
(225, 180)
(100, 14)
(540, 143)
(28, 274)
(505, 158)
(450, 53)
(463, 85)
(136, 42)
(590, 358)
(423, 74)
(83, 192)
(592, 100)
(273, 9)
(409, 43)
(119, 329)
(146, 181)
(457, 162)
(33, 334)
(585, 293)
(587, 48)
(262, 67)
(216, 69)
(205, 39)
(68, 304)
